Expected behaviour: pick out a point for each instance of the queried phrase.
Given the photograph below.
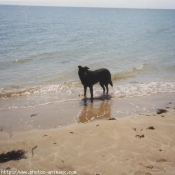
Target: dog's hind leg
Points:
(102, 85)
(106, 85)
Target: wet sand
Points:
(141, 144)
(57, 115)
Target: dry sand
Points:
(107, 147)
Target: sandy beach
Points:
(142, 144)
(46, 125)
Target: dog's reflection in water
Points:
(97, 110)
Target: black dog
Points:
(89, 78)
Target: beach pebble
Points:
(112, 119)
(151, 127)
(150, 166)
(140, 136)
(161, 160)
(33, 115)
(160, 111)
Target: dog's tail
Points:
(111, 83)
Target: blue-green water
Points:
(41, 47)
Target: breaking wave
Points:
(144, 89)
(129, 73)
(73, 91)
(66, 88)
(22, 60)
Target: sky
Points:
(152, 4)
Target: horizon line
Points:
(33, 5)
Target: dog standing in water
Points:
(89, 78)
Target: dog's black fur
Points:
(89, 78)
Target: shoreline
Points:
(138, 144)
(58, 115)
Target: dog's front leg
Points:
(85, 89)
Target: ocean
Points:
(42, 47)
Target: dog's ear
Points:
(79, 67)
(86, 68)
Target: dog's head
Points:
(82, 71)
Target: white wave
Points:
(132, 90)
